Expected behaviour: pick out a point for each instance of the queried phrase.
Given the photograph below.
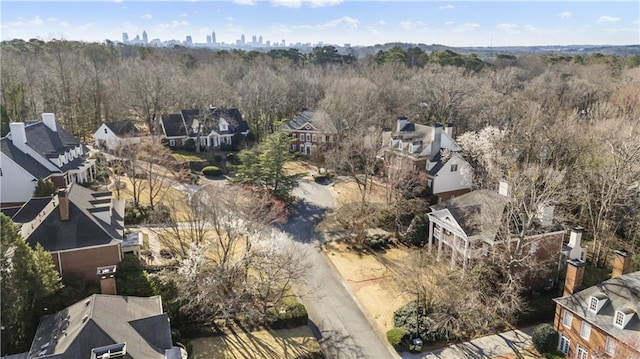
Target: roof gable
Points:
(123, 128)
(318, 121)
(173, 125)
(28, 163)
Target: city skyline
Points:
(359, 23)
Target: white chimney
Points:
(448, 129)
(49, 119)
(575, 237)
(436, 140)
(402, 121)
(18, 135)
(504, 189)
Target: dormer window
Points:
(621, 318)
(596, 303)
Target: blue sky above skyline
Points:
(453, 23)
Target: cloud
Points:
(20, 22)
(287, 3)
(184, 15)
(372, 30)
(446, 7)
(230, 18)
(409, 25)
(244, 2)
(467, 26)
(64, 24)
(323, 3)
(608, 19)
(146, 17)
(564, 15)
(449, 23)
(530, 28)
(344, 22)
(381, 22)
(52, 19)
(174, 24)
(117, 1)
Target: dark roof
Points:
(123, 128)
(102, 320)
(10, 211)
(173, 125)
(232, 115)
(622, 293)
(83, 229)
(318, 119)
(439, 164)
(408, 127)
(25, 161)
(30, 210)
(47, 142)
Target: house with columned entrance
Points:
(40, 150)
(309, 131)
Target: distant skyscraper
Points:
(213, 37)
(208, 39)
(188, 41)
(125, 38)
(254, 40)
(260, 40)
(284, 44)
(145, 38)
(242, 39)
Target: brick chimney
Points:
(18, 135)
(573, 280)
(49, 120)
(63, 204)
(622, 263)
(107, 279)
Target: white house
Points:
(115, 135)
(431, 149)
(214, 127)
(40, 150)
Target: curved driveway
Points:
(340, 325)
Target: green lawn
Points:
(190, 156)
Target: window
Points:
(454, 168)
(582, 353)
(172, 143)
(294, 147)
(563, 346)
(610, 346)
(105, 130)
(619, 319)
(302, 137)
(593, 304)
(314, 138)
(585, 330)
(567, 318)
(308, 137)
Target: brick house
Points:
(465, 230)
(310, 131)
(82, 229)
(600, 321)
(431, 149)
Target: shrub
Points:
(377, 241)
(211, 171)
(398, 338)
(165, 253)
(131, 279)
(189, 145)
(197, 166)
(417, 231)
(293, 315)
(544, 338)
(217, 158)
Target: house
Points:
(40, 150)
(116, 135)
(431, 149)
(213, 128)
(600, 321)
(106, 326)
(80, 228)
(465, 229)
(310, 130)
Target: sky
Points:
(452, 23)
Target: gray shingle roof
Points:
(318, 119)
(83, 229)
(30, 210)
(47, 142)
(102, 320)
(173, 125)
(232, 115)
(123, 128)
(24, 160)
(622, 293)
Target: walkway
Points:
(516, 343)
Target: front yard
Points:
(266, 344)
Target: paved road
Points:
(512, 342)
(338, 322)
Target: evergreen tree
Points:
(26, 276)
(44, 188)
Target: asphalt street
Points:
(338, 322)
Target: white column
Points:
(466, 252)
(430, 235)
(454, 251)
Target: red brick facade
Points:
(83, 262)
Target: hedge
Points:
(292, 316)
(211, 171)
(544, 338)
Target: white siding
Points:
(16, 184)
(447, 180)
(110, 139)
